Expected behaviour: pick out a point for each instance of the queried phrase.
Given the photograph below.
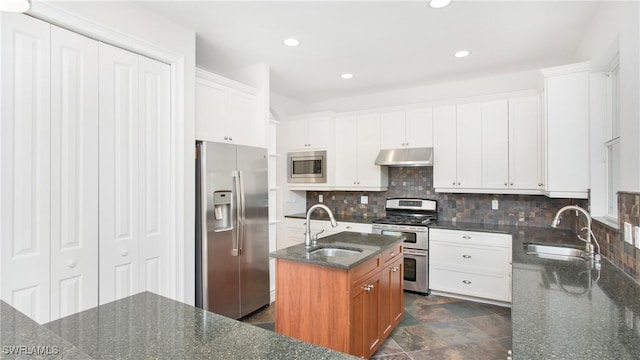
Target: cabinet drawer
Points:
(357, 274)
(470, 237)
(391, 253)
(495, 287)
(471, 258)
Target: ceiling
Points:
(385, 44)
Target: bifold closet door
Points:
(74, 173)
(25, 202)
(134, 174)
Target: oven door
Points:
(416, 270)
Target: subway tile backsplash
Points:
(518, 210)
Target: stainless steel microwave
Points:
(307, 167)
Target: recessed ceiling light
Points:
(346, 76)
(437, 4)
(291, 42)
(461, 53)
(15, 5)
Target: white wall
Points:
(615, 25)
(148, 34)
(524, 80)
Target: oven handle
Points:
(415, 229)
(414, 252)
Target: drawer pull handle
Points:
(368, 288)
(466, 237)
(71, 264)
(124, 252)
(466, 282)
(466, 256)
(348, 227)
(394, 269)
(392, 254)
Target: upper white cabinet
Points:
(525, 143)
(567, 130)
(357, 146)
(310, 131)
(406, 129)
(135, 196)
(495, 145)
(228, 111)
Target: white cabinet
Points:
(134, 166)
(406, 129)
(495, 145)
(357, 146)
(311, 132)
(227, 111)
(525, 143)
(295, 229)
(567, 131)
(469, 263)
(50, 159)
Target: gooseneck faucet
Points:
(589, 249)
(307, 235)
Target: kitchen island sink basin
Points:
(333, 251)
(555, 252)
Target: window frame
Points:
(612, 142)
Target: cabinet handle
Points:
(458, 183)
(509, 352)
(368, 288)
(466, 282)
(230, 138)
(394, 269)
(71, 264)
(540, 184)
(467, 237)
(454, 183)
(348, 227)
(505, 184)
(226, 138)
(511, 184)
(124, 252)
(466, 256)
(392, 254)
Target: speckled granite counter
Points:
(567, 310)
(149, 326)
(319, 215)
(369, 246)
(21, 337)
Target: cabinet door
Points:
(74, 173)
(119, 174)
(419, 128)
(469, 145)
(365, 317)
(444, 147)
(392, 129)
(346, 149)
(368, 147)
(26, 164)
(154, 187)
(320, 132)
(211, 111)
(245, 127)
(297, 135)
(495, 145)
(524, 142)
(391, 296)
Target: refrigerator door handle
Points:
(236, 242)
(243, 219)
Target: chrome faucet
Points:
(589, 249)
(307, 235)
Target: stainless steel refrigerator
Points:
(232, 230)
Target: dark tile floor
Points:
(436, 327)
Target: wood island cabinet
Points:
(352, 311)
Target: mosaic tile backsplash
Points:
(518, 210)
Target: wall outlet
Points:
(636, 233)
(494, 204)
(320, 198)
(364, 199)
(628, 233)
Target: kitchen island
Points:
(349, 301)
(567, 310)
(148, 326)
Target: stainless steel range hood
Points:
(405, 157)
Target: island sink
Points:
(333, 251)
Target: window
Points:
(613, 139)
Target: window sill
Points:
(608, 222)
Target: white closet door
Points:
(26, 165)
(119, 174)
(74, 173)
(154, 186)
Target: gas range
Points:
(409, 212)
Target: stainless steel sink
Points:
(335, 252)
(555, 252)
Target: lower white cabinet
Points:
(295, 229)
(470, 263)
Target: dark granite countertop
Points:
(567, 310)
(370, 245)
(321, 215)
(149, 326)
